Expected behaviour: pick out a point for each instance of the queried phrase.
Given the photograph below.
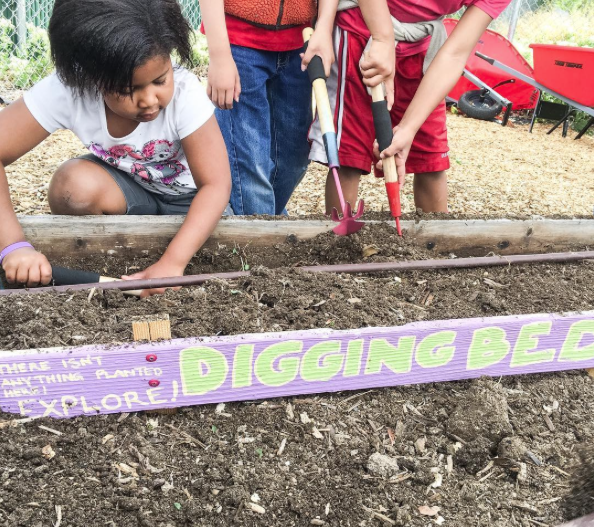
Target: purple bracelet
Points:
(13, 247)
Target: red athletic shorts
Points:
(353, 119)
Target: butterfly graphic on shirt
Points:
(157, 160)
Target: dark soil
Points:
(379, 239)
(204, 467)
(175, 481)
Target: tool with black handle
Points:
(384, 135)
(64, 276)
(347, 224)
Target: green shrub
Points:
(24, 68)
(200, 51)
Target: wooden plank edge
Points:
(113, 235)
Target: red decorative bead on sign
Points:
(151, 358)
(154, 383)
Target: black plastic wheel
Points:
(471, 104)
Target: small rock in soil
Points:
(382, 465)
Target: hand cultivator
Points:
(347, 224)
(384, 135)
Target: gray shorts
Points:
(141, 202)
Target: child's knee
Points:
(70, 192)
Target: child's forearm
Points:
(446, 68)
(204, 214)
(378, 19)
(326, 14)
(215, 27)
(10, 230)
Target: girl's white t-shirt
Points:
(152, 154)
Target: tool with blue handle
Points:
(347, 224)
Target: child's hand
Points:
(319, 44)
(378, 65)
(224, 85)
(158, 270)
(399, 148)
(27, 267)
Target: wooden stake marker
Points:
(153, 328)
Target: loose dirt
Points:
(383, 457)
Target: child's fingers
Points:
(237, 91)
(22, 275)
(34, 277)
(379, 169)
(135, 276)
(9, 274)
(368, 73)
(373, 81)
(400, 161)
(227, 100)
(45, 270)
(304, 63)
(221, 99)
(376, 151)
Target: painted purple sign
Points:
(85, 381)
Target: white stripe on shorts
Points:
(318, 152)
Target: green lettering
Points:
(242, 366)
(202, 370)
(436, 350)
(328, 353)
(352, 365)
(524, 351)
(489, 346)
(571, 350)
(397, 358)
(287, 367)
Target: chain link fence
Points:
(564, 22)
(24, 48)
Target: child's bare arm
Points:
(19, 133)
(207, 156)
(441, 77)
(380, 61)
(224, 85)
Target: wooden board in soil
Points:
(113, 235)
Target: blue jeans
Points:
(266, 132)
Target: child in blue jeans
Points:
(263, 96)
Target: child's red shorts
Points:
(353, 119)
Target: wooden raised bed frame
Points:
(59, 236)
(130, 377)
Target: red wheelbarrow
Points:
(498, 90)
(565, 72)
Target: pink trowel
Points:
(347, 224)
